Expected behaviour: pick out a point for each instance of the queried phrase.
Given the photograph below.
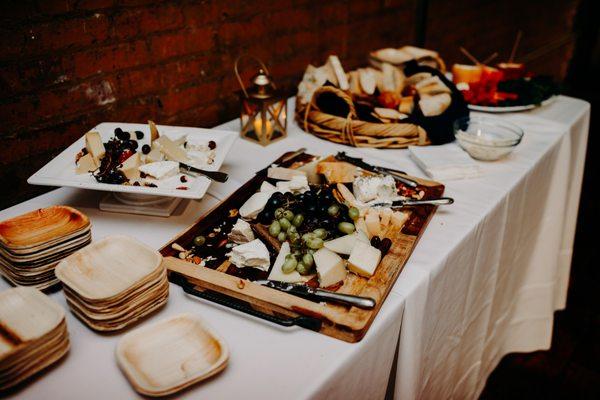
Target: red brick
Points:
(181, 43)
(184, 99)
(136, 22)
(109, 58)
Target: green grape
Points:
(298, 220)
(285, 224)
(279, 213)
(353, 213)
(346, 227)
(274, 229)
(320, 233)
(333, 210)
(302, 268)
(289, 265)
(281, 237)
(291, 229)
(287, 214)
(308, 260)
(199, 240)
(315, 243)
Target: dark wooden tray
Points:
(223, 283)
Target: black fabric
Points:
(439, 128)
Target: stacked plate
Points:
(33, 334)
(32, 244)
(114, 282)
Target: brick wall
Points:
(67, 65)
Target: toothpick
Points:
(490, 58)
(469, 56)
(515, 46)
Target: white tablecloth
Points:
(483, 281)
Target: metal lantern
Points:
(263, 108)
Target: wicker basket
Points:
(352, 131)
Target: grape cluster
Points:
(117, 150)
(305, 220)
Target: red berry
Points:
(125, 155)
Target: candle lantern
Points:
(263, 114)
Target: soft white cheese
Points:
(379, 189)
(255, 204)
(267, 187)
(161, 169)
(241, 232)
(298, 184)
(253, 254)
(201, 159)
(197, 143)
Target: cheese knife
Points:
(319, 294)
(408, 202)
(216, 176)
(394, 173)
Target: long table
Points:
(483, 281)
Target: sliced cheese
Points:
(154, 156)
(171, 150)
(86, 164)
(241, 232)
(347, 195)
(284, 174)
(364, 259)
(345, 244)
(254, 205)
(253, 254)
(372, 222)
(385, 216)
(334, 64)
(160, 169)
(368, 80)
(432, 106)
(94, 145)
(330, 267)
(130, 167)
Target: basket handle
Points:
(237, 73)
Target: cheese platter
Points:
(311, 241)
(141, 162)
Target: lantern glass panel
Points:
(263, 120)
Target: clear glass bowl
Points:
(486, 138)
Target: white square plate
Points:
(61, 170)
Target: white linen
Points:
(445, 162)
(483, 281)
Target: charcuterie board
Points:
(197, 260)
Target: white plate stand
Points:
(141, 204)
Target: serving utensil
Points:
(409, 203)
(319, 294)
(394, 173)
(216, 176)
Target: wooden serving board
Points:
(226, 284)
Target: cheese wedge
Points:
(372, 222)
(254, 205)
(361, 226)
(86, 164)
(311, 171)
(330, 267)
(364, 259)
(284, 174)
(385, 216)
(337, 172)
(345, 244)
(130, 167)
(399, 218)
(94, 145)
(154, 156)
(267, 187)
(171, 150)
(153, 131)
(347, 195)
(334, 64)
